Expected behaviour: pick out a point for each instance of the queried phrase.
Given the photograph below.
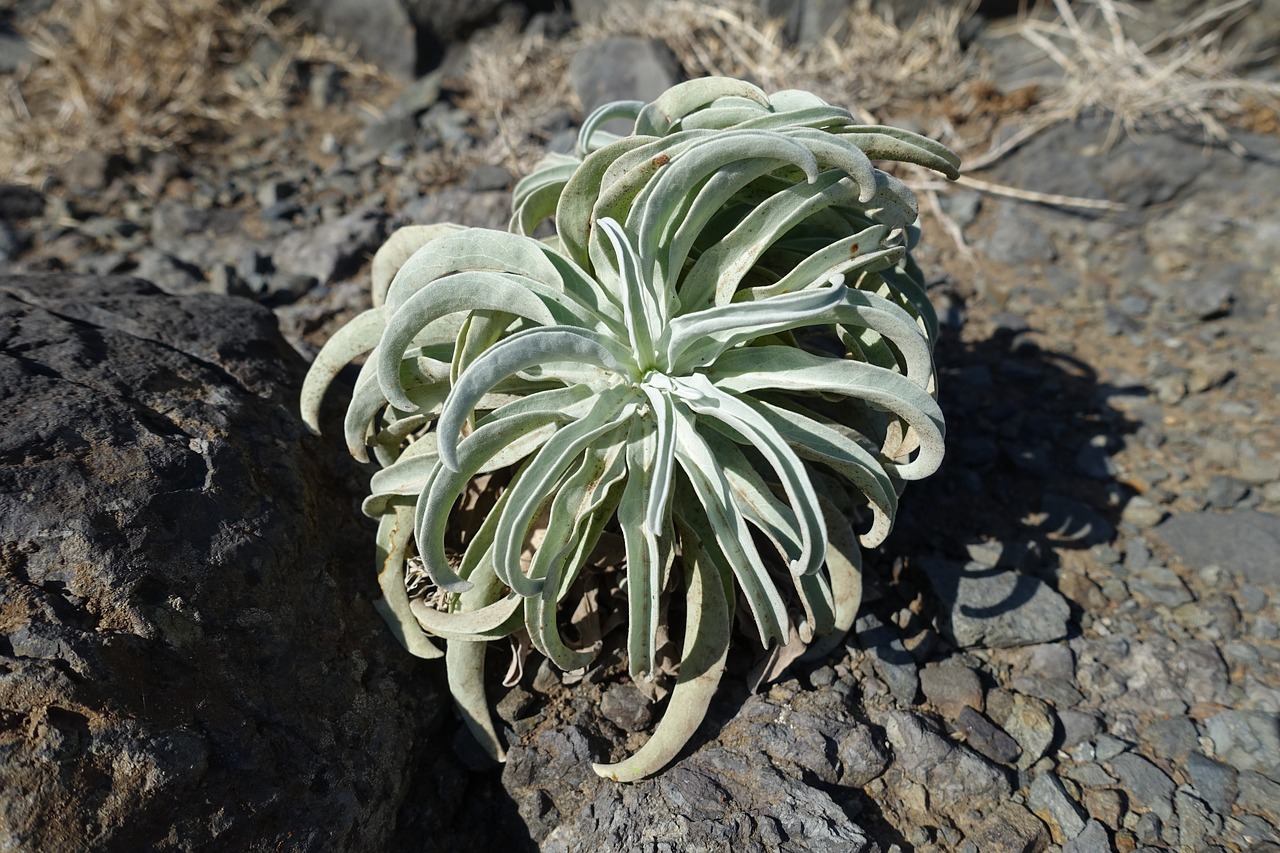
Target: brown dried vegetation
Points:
(125, 75)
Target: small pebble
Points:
(985, 737)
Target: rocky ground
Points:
(1071, 641)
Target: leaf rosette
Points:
(724, 354)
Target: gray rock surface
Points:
(1029, 722)
(622, 69)
(404, 37)
(627, 708)
(1018, 240)
(1245, 541)
(1260, 795)
(986, 737)
(889, 656)
(331, 250)
(1150, 788)
(717, 798)
(952, 688)
(951, 774)
(1247, 740)
(1050, 802)
(1212, 781)
(995, 608)
(1092, 839)
(1196, 823)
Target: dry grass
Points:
(865, 61)
(1188, 76)
(124, 75)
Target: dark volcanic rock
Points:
(718, 799)
(20, 202)
(190, 658)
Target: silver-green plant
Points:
(724, 345)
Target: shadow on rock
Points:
(1028, 473)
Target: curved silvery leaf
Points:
(350, 342)
(486, 611)
(834, 152)
(541, 477)
(818, 115)
(659, 202)
(472, 292)
(535, 197)
(784, 368)
(644, 316)
(723, 114)
(586, 500)
(714, 403)
(698, 339)
(844, 257)
(472, 250)
(844, 568)
(718, 272)
(395, 531)
(575, 210)
(403, 478)
(591, 137)
(658, 117)
(892, 143)
(677, 363)
(695, 340)
(648, 545)
(423, 380)
(719, 520)
(759, 504)
(524, 349)
(795, 99)
(401, 246)
(702, 662)
(817, 441)
(464, 666)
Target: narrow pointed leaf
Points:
(352, 340)
(395, 532)
(524, 349)
(706, 644)
(646, 555)
(714, 403)
(465, 667)
(787, 369)
(657, 118)
(719, 521)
